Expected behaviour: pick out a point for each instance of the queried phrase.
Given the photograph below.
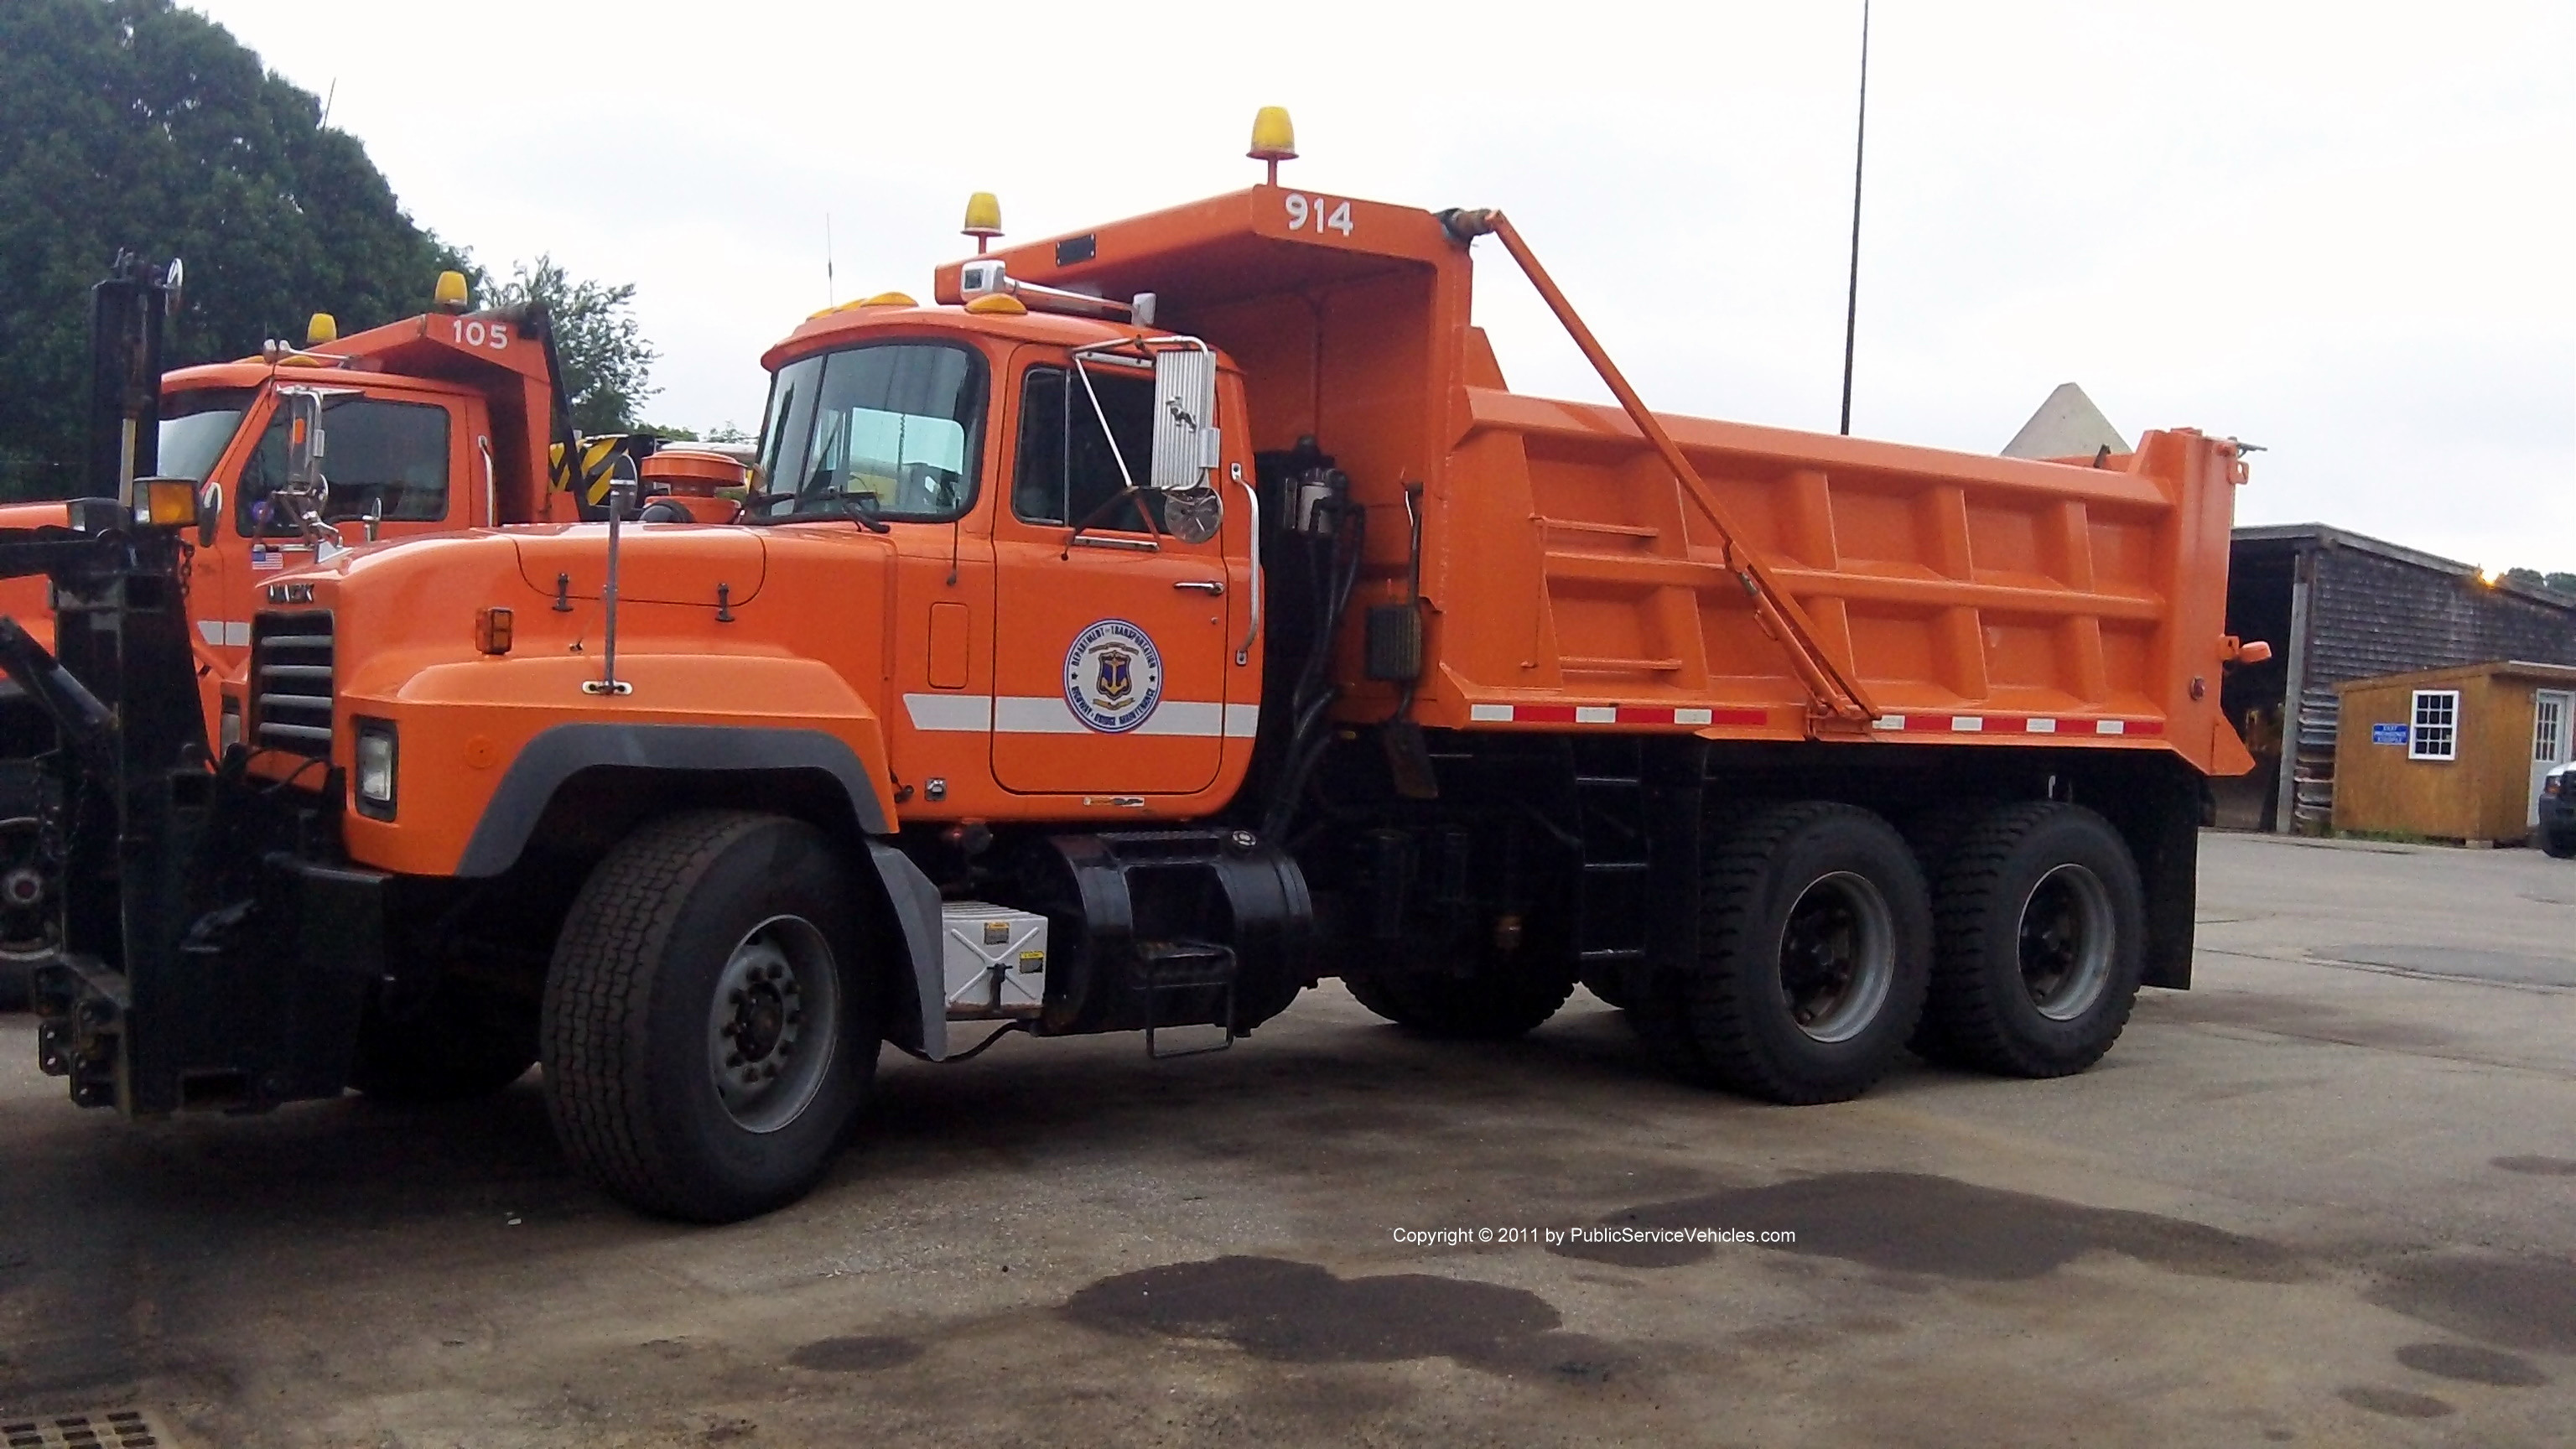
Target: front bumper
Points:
(258, 1004)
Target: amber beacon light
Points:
(1274, 139)
(983, 219)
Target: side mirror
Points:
(1186, 446)
(210, 514)
(303, 439)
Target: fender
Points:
(563, 751)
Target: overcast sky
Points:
(2343, 232)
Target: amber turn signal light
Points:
(165, 502)
(492, 630)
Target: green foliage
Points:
(607, 365)
(131, 123)
(2557, 583)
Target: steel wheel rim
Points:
(27, 920)
(2065, 940)
(774, 1023)
(1837, 957)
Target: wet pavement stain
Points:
(2396, 1403)
(2523, 1303)
(1917, 1223)
(2471, 1364)
(862, 1354)
(2537, 1166)
(1289, 1312)
(2300, 1018)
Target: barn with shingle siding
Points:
(2337, 606)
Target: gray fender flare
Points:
(564, 751)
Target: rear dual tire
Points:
(712, 1018)
(1815, 930)
(2559, 844)
(2041, 921)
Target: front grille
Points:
(290, 680)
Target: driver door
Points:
(1110, 644)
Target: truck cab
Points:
(1052, 646)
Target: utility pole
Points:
(1860, 144)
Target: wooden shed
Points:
(2454, 754)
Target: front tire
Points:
(711, 1021)
(1815, 936)
(2559, 844)
(2042, 941)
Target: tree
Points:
(607, 365)
(2556, 583)
(134, 124)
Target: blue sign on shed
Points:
(2388, 734)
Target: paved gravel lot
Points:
(2329, 1197)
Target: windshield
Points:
(890, 431)
(195, 425)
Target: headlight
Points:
(375, 773)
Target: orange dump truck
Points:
(1165, 617)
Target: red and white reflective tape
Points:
(2012, 724)
(1613, 714)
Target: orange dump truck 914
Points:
(1165, 617)
(448, 420)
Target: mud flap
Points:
(915, 903)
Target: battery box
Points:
(994, 959)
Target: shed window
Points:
(2436, 732)
(2548, 726)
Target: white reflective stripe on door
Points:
(1037, 714)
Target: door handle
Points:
(1204, 586)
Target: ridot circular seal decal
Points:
(1113, 676)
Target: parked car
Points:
(2557, 829)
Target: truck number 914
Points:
(1317, 213)
(475, 332)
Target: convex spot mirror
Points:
(1194, 515)
(1186, 446)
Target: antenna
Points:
(327, 97)
(1860, 141)
(831, 293)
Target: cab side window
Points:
(374, 450)
(1068, 470)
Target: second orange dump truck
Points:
(1159, 619)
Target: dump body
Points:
(1568, 579)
